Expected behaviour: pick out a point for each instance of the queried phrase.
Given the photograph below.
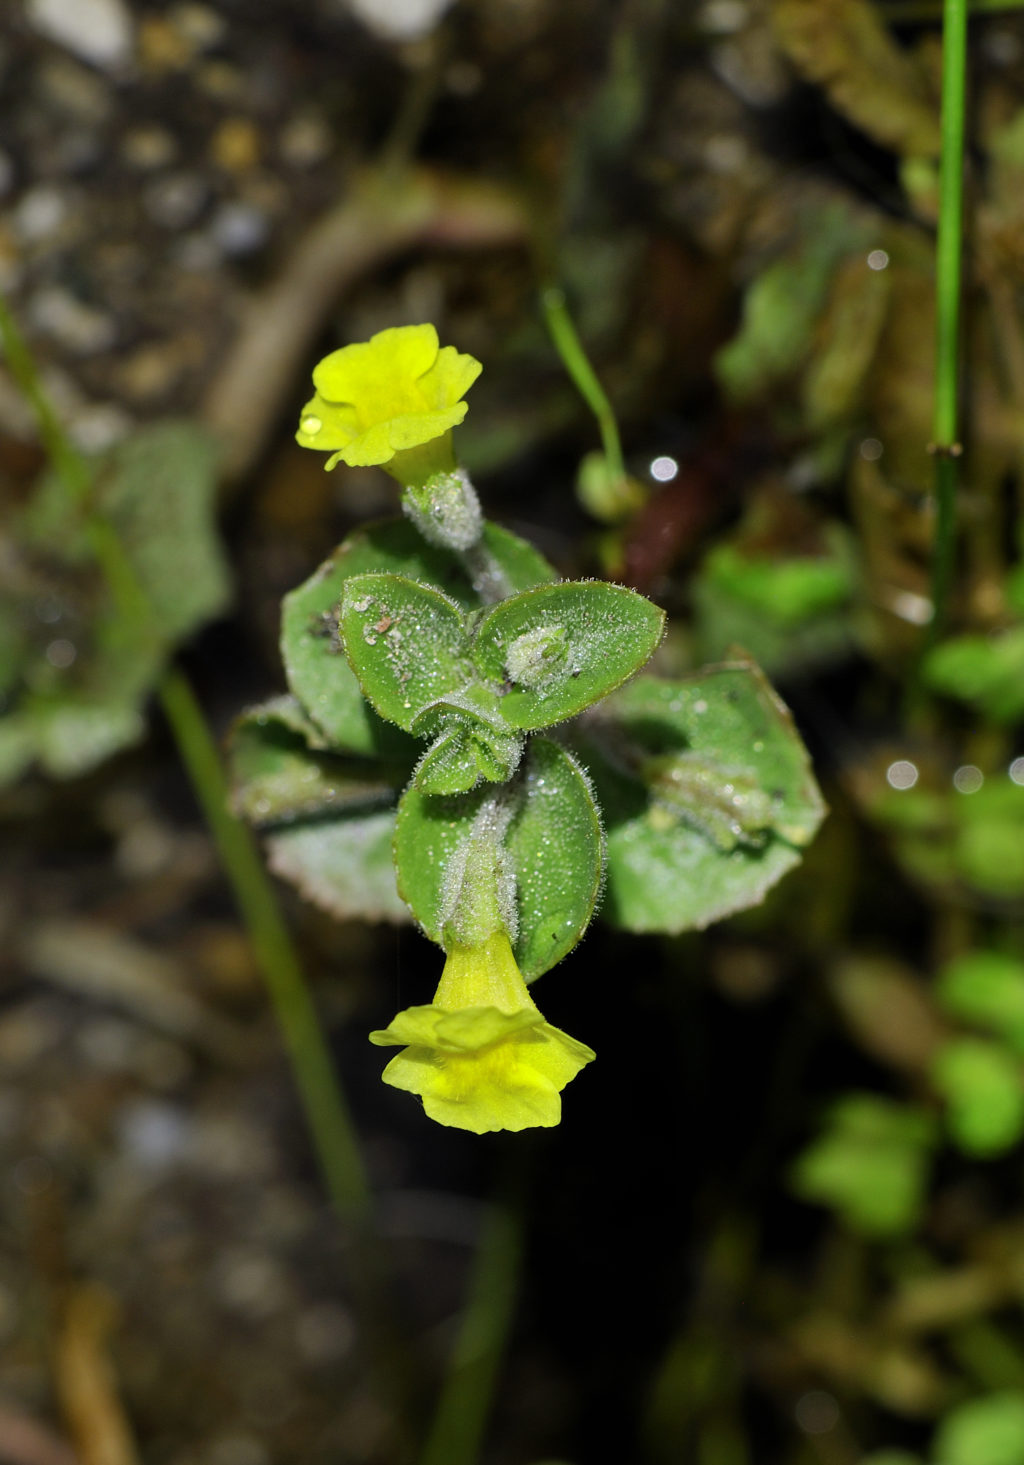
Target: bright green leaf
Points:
(982, 1085)
(986, 1431)
(984, 671)
(869, 1164)
(557, 851)
(986, 988)
(405, 642)
(569, 645)
(553, 841)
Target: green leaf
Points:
(315, 664)
(678, 863)
(343, 865)
(564, 647)
(277, 777)
(428, 834)
(157, 489)
(405, 642)
(986, 988)
(982, 1084)
(788, 611)
(986, 672)
(553, 841)
(986, 1431)
(463, 755)
(311, 646)
(869, 1164)
(557, 851)
(473, 741)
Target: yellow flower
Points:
(481, 1056)
(392, 400)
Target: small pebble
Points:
(155, 1135)
(235, 145)
(148, 147)
(97, 31)
(162, 47)
(176, 201)
(39, 214)
(81, 328)
(305, 141)
(98, 425)
(74, 89)
(200, 25)
(240, 229)
(197, 253)
(399, 20)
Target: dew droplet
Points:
(311, 425)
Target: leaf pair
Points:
(477, 683)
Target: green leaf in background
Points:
(986, 1431)
(677, 866)
(986, 988)
(564, 647)
(77, 697)
(342, 864)
(986, 672)
(784, 303)
(74, 734)
(984, 1090)
(277, 777)
(869, 1164)
(788, 612)
(967, 843)
(557, 851)
(157, 489)
(553, 841)
(405, 642)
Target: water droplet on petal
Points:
(311, 425)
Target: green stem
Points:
(574, 359)
(326, 1110)
(899, 11)
(948, 264)
(460, 1420)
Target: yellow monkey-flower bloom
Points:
(481, 1055)
(392, 401)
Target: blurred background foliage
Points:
(783, 1220)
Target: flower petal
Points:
(450, 377)
(326, 425)
(379, 377)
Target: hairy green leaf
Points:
(563, 647)
(712, 842)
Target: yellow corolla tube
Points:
(390, 401)
(481, 1056)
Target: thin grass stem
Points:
(948, 268)
(460, 1420)
(569, 347)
